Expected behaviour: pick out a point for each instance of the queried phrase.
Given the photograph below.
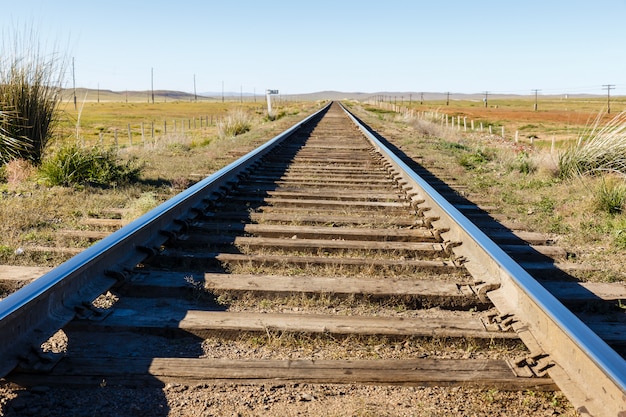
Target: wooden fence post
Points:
(130, 136)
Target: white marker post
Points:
(269, 93)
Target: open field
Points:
(557, 117)
(93, 122)
(565, 119)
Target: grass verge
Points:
(525, 187)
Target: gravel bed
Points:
(278, 400)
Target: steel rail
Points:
(32, 314)
(590, 373)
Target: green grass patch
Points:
(453, 146)
(72, 165)
(377, 110)
(474, 159)
(522, 163)
(611, 197)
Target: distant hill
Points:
(389, 96)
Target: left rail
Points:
(32, 314)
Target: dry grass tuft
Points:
(601, 148)
(17, 171)
(236, 123)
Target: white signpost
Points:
(269, 93)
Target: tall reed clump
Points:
(234, 124)
(602, 148)
(30, 94)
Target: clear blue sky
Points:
(501, 46)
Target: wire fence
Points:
(457, 123)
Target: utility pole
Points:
(152, 83)
(536, 91)
(195, 95)
(447, 98)
(608, 88)
(486, 98)
(421, 98)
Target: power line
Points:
(536, 91)
(608, 88)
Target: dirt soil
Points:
(279, 399)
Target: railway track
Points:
(318, 237)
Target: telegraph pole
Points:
(447, 98)
(152, 83)
(486, 97)
(195, 95)
(608, 88)
(536, 91)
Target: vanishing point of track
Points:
(323, 215)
